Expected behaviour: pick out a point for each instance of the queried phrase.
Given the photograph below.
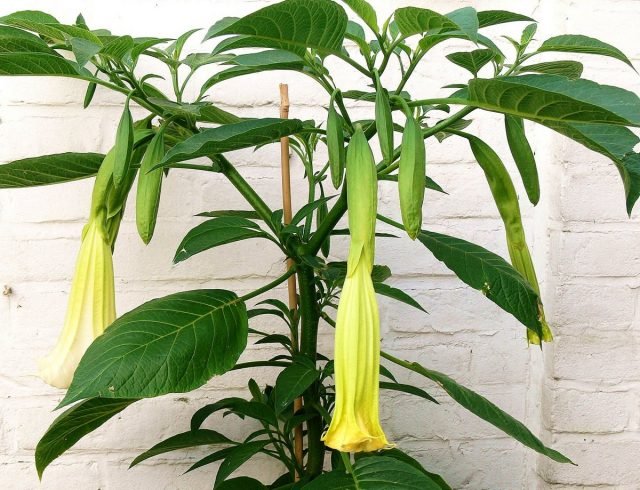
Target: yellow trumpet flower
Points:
(91, 306)
(355, 425)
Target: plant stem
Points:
(270, 286)
(327, 225)
(250, 195)
(309, 319)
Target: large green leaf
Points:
(73, 425)
(247, 64)
(292, 382)
(24, 45)
(488, 18)
(564, 68)
(191, 438)
(404, 457)
(486, 410)
(39, 64)
(173, 344)
(466, 18)
(545, 98)
(241, 483)
(365, 11)
(414, 20)
(375, 473)
(215, 232)
(294, 25)
(574, 43)
(49, 169)
(615, 142)
(231, 137)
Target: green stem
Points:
(270, 286)
(309, 319)
(250, 195)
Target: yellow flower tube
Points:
(91, 306)
(355, 425)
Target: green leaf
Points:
(247, 64)
(117, 48)
(73, 425)
(472, 61)
(488, 18)
(365, 11)
(293, 382)
(232, 137)
(215, 232)
(309, 208)
(236, 457)
(294, 25)
(574, 43)
(192, 438)
(24, 45)
(486, 410)
(397, 294)
(83, 50)
(49, 169)
(466, 18)
(564, 68)
(375, 473)
(35, 16)
(414, 20)
(486, 272)
(241, 483)
(410, 389)
(39, 64)
(615, 142)
(545, 98)
(429, 182)
(203, 413)
(397, 454)
(173, 344)
(123, 148)
(523, 156)
(230, 212)
(7, 32)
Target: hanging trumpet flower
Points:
(355, 425)
(91, 306)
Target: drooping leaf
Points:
(472, 61)
(248, 64)
(191, 438)
(241, 483)
(365, 11)
(236, 457)
(49, 169)
(617, 143)
(545, 98)
(231, 137)
(564, 68)
(73, 425)
(488, 18)
(294, 25)
(215, 232)
(410, 389)
(293, 382)
(375, 473)
(523, 156)
(397, 294)
(168, 345)
(574, 43)
(486, 410)
(203, 413)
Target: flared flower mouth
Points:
(91, 306)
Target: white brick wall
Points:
(581, 394)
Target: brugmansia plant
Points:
(320, 419)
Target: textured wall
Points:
(581, 394)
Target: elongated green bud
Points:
(149, 188)
(335, 144)
(523, 156)
(504, 194)
(321, 215)
(123, 146)
(362, 200)
(384, 121)
(411, 176)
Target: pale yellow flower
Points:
(91, 306)
(355, 424)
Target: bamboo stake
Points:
(291, 283)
